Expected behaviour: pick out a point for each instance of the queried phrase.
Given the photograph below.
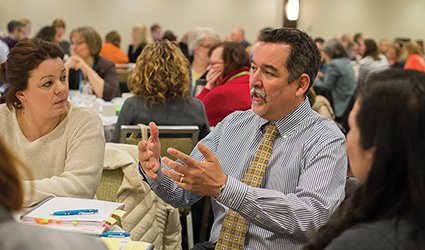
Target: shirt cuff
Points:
(233, 194)
(150, 181)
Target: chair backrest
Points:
(109, 184)
(183, 138)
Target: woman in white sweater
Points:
(63, 145)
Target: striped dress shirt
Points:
(303, 184)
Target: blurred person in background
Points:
(86, 66)
(161, 87)
(27, 28)
(372, 61)
(140, 37)
(414, 60)
(47, 33)
(339, 77)
(383, 46)
(360, 41)
(394, 57)
(227, 87)
(319, 43)
(200, 42)
(182, 42)
(238, 35)
(111, 48)
(16, 33)
(170, 36)
(156, 31)
(60, 26)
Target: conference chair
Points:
(109, 184)
(180, 137)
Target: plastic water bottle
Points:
(85, 88)
(86, 96)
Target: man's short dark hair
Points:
(304, 57)
(319, 40)
(155, 27)
(14, 25)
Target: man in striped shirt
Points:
(305, 177)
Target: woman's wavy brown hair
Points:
(12, 169)
(161, 74)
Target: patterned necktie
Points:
(234, 227)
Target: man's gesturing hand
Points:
(203, 177)
(149, 152)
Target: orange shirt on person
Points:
(113, 53)
(416, 62)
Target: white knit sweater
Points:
(67, 161)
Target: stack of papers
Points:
(88, 223)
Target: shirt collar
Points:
(288, 123)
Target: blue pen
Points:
(76, 211)
(115, 234)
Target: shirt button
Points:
(230, 199)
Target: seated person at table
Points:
(273, 195)
(200, 40)
(111, 48)
(385, 146)
(63, 145)
(14, 235)
(161, 87)
(140, 37)
(227, 87)
(86, 66)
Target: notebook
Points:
(118, 244)
(92, 223)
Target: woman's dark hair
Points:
(22, 59)
(334, 49)
(12, 171)
(304, 57)
(234, 56)
(371, 49)
(169, 35)
(391, 119)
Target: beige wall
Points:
(176, 15)
(375, 18)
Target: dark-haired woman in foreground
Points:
(386, 150)
(63, 145)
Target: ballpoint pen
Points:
(76, 211)
(115, 234)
